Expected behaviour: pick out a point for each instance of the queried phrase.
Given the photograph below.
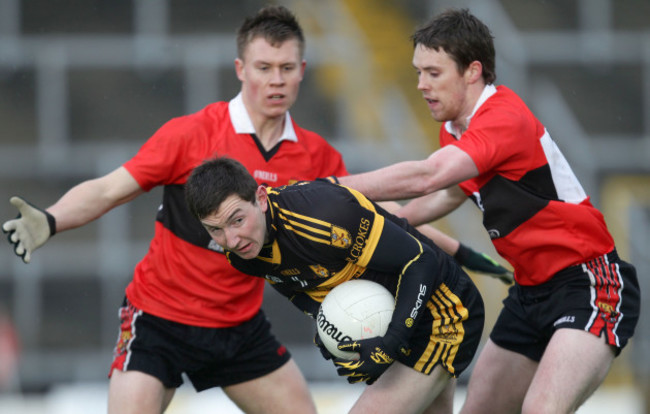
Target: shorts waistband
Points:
(568, 273)
(571, 270)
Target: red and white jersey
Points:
(534, 209)
(185, 277)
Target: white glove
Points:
(30, 229)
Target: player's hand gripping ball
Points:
(354, 310)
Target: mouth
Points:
(244, 248)
(276, 97)
(431, 102)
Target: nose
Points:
(277, 77)
(231, 238)
(421, 84)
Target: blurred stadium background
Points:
(84, 83)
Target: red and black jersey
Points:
(323, 234)
(185, 277)
(534, 209)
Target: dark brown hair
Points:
(463, 37)
(212, 182)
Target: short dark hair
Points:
(463, 37)
(213, 181)
(276, 24)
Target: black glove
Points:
(482, 263)
(321, 347)
(375, 356)
(30, 230)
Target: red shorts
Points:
(600, 296)
(210, 357)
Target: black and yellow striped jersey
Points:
(322, 234)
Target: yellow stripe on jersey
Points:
(447, 331)
(371, 242)
(399, 280)
(276, 256)
(286, 212)
(349, 272)
(361, 199)
(291, 225)
(375, 233)
(316, 234)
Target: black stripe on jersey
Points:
(176, 217)
(506, 204)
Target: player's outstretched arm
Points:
(80, 205)
(464, 255)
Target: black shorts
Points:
(210, 357)
(600, 296)
(449, 332)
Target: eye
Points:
(214, 231)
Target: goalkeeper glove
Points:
(375, 356)
(482, 263)
(30, 229)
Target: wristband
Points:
(463, 253)
(51, 221)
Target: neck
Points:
(461, 123)
(269, 131)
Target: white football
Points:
(356, 309)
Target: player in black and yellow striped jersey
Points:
(309, 237)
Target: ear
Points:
(239, 69)
(303, 65)
(262, 198)
(474, 72)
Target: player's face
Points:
(443, 88)
(239, 226)
(270, 77)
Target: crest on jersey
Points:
(340, 237)
(320, 270)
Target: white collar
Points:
(488, 91)
(243, 124)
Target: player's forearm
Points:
(396, 182)
(447, 243)
(433, 206)
(80, 205)
(91, 199)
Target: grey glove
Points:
(30, 230)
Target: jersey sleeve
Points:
(416, 267)
(496, 139)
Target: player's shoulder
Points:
(312, 196)
(204, 119)
(506, 109)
